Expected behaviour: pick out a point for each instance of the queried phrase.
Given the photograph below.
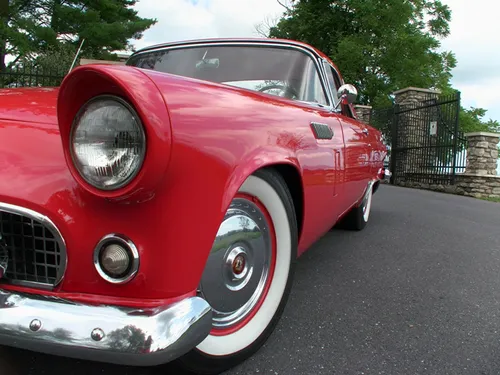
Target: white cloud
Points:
(190, 19)
(474, 31)
(474, 40)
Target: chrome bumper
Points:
(111, 334)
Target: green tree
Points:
(472, 120)
(379, 45)
(32, 27)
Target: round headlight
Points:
(108, 143)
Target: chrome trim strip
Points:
(18, 210)
(227, 40)
(128, 245)
(126, 336)
(243, 42)
(334, 107)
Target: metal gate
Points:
(424, 141)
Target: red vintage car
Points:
(154, 212)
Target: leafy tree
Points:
(472, 120)
(379, 45)
(32, 27)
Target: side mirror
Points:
(347, 94)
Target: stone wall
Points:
(478, 186)
(472, 185)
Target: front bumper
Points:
(127, 336)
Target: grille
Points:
(36, 253)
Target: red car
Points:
(154, 212)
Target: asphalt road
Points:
(416, 292)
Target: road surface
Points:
(416, 292)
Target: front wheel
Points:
(248, 274)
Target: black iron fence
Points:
(424, 141)
(31, 76)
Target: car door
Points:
(327, 177)
(357, 144)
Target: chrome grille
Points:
(35, 249)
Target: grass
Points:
(496, 200)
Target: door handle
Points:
(365, 131)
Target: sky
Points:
(474, 36)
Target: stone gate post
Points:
(364, 112)
(481, 179)
(413, 129)
(482, 153)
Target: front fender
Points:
(260, 158)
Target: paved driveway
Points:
(416, 292)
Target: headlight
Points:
(108, 143)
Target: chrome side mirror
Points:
(347, 94)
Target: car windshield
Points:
(281, 71)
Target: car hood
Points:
(34, 105)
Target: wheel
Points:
(248, 274)
(358, 217)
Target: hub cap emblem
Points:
(239, 264)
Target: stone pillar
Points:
(482, 153)
(414, 95)
(363, 112)
(413, 129)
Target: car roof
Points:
(289, 42)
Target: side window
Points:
(312, 90)
(334, 82)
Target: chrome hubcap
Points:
(237, 269)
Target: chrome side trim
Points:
(126, 243)
(126, 336)
(18, 210)
(243, 42)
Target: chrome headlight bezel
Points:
(142, 136)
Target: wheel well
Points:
(294, 184)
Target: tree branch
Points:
(263, 28)
(283, 5)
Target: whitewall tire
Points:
(248, 274)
